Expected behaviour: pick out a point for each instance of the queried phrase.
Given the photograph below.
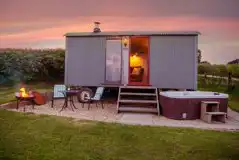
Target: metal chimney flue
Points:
(97, 28)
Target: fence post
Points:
(229, 81)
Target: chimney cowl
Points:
(97, 28)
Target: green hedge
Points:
(219, 70)
(31, 65)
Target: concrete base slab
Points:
(136, 118)
(109, 114)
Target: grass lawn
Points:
(7, 92)
(54, 138)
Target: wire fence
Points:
(217, 83)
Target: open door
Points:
(139, 61)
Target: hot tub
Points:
(187, 104)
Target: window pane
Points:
(113, 61)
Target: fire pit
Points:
(24, 96)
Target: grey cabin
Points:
(158, 59)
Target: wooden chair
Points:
(137, 77)
(97, 98)
(57, 94)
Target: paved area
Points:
(109, 114)
(232, 114)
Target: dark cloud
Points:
(58, 9)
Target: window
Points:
(113, 61)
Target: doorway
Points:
(139, 61)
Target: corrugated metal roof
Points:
(133, 33)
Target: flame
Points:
(23, 92)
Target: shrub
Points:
(234, 69)
(31, 65)
(205, 68)
(219, 70)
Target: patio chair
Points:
(97, 98)
(138, 76)
(56, 92)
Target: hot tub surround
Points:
(187, 104)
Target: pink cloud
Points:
(122, 23)
(218, 35)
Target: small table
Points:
(69, 94)
(28, 99)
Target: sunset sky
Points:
(42, 23)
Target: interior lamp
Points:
(135, 55)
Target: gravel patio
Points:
(109, 114)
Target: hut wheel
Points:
(84, 94)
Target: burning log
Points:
(23, 95)
(23, 92)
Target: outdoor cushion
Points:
(57, 89)
(98, 94)
(136, 71)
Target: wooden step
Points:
(210, 102)
(138, 109)
(137, 101)
(216, 113)
(137, 87)
(138, 94)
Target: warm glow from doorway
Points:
(136, 61)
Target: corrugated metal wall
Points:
(85, 61)
(173, 62)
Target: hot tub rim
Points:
(220, 96)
